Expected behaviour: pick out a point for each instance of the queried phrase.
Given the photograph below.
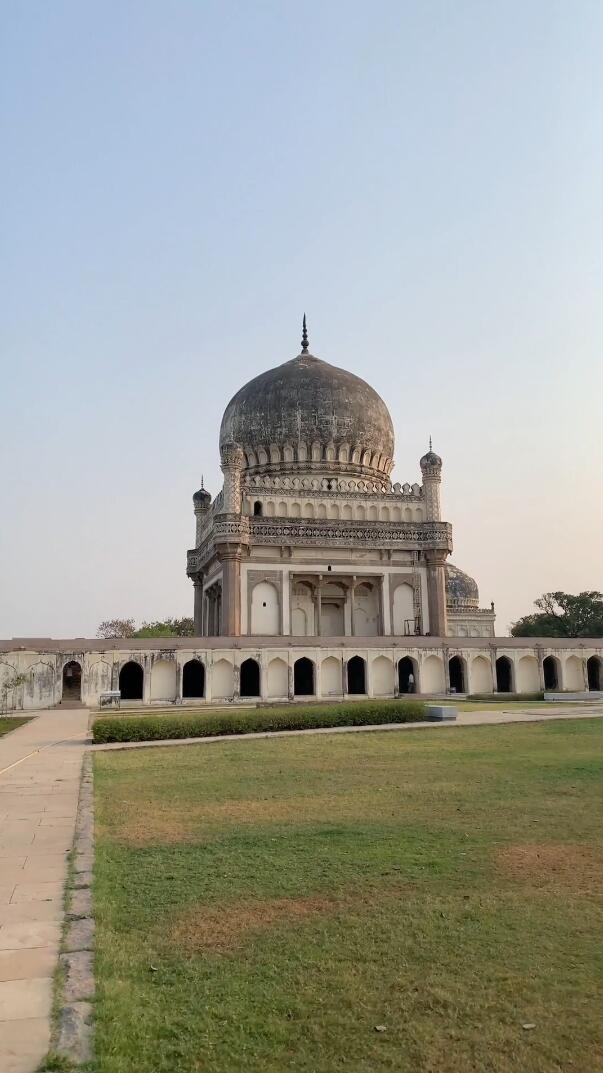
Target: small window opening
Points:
(257, 508)
(264, 604)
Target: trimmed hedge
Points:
(159, 728)
(504, 698)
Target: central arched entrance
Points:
(593, 670)
(550, 666)
(131, 679)
(456, 670)
(407, 675)
(193, 679)
(303, 677)
(504, 675)
(249, 683)
(356, 675)
(72, 680)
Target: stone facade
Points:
(223, 670)
(309, 536)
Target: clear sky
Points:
(180, 181)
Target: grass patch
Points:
(255, 721)
(263, 907)
(11, 722)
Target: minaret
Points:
(201, 505)
(228, 543)
(431, 468)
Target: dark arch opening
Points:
(593, 670)
(193, 679)
(72, 680)
(551, 672)
(406, 668)
(356, 674)
(504, 675)
(303, 677)
(131, 679)
(456, 671)
(257, 508)
(250, 678)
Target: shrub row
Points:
(504, 698)
(200, 725)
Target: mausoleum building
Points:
(309, 536)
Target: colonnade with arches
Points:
(263, 671)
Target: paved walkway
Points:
(40, 766)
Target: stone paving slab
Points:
(23, 999)
(27, 964)
(23, 1043)
(40, 769)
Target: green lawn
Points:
(11, 722)
(268, 905)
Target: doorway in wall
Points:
(356, 674)
(456, 670)
(303, 677)
(72, 681)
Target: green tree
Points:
(170, 627)
(560, 614)
(116, 627)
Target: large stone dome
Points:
(461, 589)
(307, 413)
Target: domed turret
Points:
(461, 589)
(311, 415)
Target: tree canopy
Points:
(560, 614)
(126, 627)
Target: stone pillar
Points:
(348, 611)
(230, 558)
(386, 617)
(318, 609)
(436, 592)
(540, 658)
(231, 464)
(198, 605)
(286, 603)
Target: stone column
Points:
(348, 610)
(231, 463)
(436, 592)
(386, 617)
(318, 609)
(230, 558)
(198, 605)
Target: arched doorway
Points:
(249, 685)
(303, 677)
(193, 679)
(356, 675)
(406, 667)
(593, 670)
(456, 671)
(550, 667)
(504, 675)
(72, 680)
(131, 678)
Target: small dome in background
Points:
(202, 496)
(461, 589)
(430, 459)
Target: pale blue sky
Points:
(180, 181)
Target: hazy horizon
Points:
(179, 185)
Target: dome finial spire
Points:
(304, 336)
(430, 444)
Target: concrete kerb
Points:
(72, 1031)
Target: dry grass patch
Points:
(223, 928)
(554, 866)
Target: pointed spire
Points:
(304, 349)
(202, 485)
(430, 444)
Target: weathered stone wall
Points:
(39, 665)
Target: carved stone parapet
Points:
(429, 536)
